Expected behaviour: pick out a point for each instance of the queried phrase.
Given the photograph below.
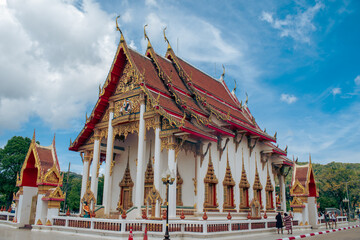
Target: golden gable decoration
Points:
(53, 176)
(297, 188)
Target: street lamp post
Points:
(347, 192)
(167, 180)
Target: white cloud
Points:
(357, 80)
(298, 26)
(53, 57)
(336, 91)
(288, 98)
(150, 3)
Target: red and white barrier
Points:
(318, 233)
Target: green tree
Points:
(73, 191)
(100, 190)
(12, 157)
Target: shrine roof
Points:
(44, 159)
(301, 173)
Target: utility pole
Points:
(66, 187)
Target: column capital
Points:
(87, 156)
(157, 121)
(97, 134)
(171, 142)
(142, 98)
(111, 106)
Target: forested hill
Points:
(331, 182)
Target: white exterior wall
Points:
(312, 211)
(186, 168)
(120, 166)
(41, 209)
(24, 207)
(51, 213)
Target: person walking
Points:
(333, 219)
(327, 220)
(288, 223)
(279, 223)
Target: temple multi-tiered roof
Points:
(192, 101)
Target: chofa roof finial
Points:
(165, 38)
(223, 74)
(117, 25)
(145, 35)
(234, 90)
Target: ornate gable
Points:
(52, 176)
(54, 194)
(297, 189)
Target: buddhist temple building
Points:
(157, 114)
(39, 196)
(304, 193)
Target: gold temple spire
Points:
(118, 29)
(234, 90)
(145, 35)
(33, 138)
(223, 74)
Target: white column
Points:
(85, 176)
(95, 162)
(172, 188)
(282, 192)
(157, 178)
(139, 188)
(109, 153)
(157, 174)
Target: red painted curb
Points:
(318, 233)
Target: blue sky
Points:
(297, 60)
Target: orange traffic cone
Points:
(131, 237)
(145, 234)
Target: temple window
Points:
(228, 184)
(149, 179)
(210, 181)
(244, 189)
(179, 182)
(257, 186)
(269, 193)
(126, 187)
